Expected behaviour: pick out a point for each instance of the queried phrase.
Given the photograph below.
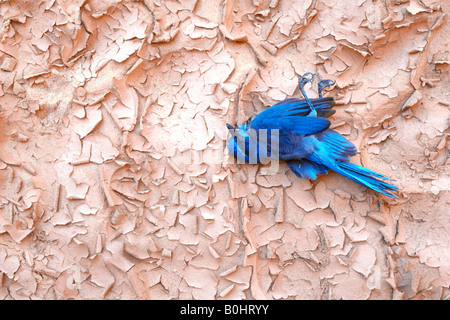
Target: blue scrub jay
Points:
(305, 141)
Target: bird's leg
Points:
(324, 84)
(307, 77)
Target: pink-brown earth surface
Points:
(113, 182)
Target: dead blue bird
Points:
(304, 140)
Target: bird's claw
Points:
(324, 84)
(304, 79)
(307, 77)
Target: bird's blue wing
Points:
(273, 119)
(299, 107)
(291, 115)
(337, 147)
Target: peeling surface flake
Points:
(114, 180)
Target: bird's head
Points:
(238, 142)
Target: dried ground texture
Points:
(113, 184)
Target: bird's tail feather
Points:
(366, 177)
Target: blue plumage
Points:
(305, 141)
